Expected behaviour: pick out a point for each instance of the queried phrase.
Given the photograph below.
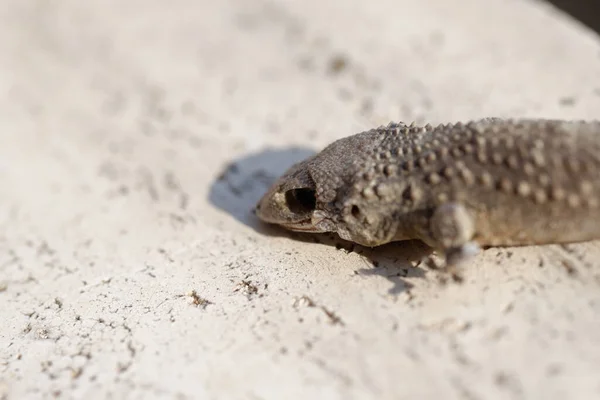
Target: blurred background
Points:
(137, 135)
(586, 11)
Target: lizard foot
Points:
(451, 233)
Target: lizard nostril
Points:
(301, 200)
(355, 211)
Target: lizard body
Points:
(455, 186)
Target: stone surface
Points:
(136, 137)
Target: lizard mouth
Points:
(317, 222)
(301, 226)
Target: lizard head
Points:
(296, 202)
(320, 194)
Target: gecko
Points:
(457, 187)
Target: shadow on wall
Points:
(586, 11)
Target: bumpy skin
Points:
(455, 186)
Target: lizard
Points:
(457, 187)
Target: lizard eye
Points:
(301, 201)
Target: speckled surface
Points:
(136, 137)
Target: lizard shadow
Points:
(241, 184)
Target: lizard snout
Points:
(292, 208)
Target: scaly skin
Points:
(456, 186)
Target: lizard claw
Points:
(455, 258)
(458, 256)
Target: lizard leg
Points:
(451, 231)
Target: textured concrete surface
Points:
(135, 137)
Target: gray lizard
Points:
(456, 187)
